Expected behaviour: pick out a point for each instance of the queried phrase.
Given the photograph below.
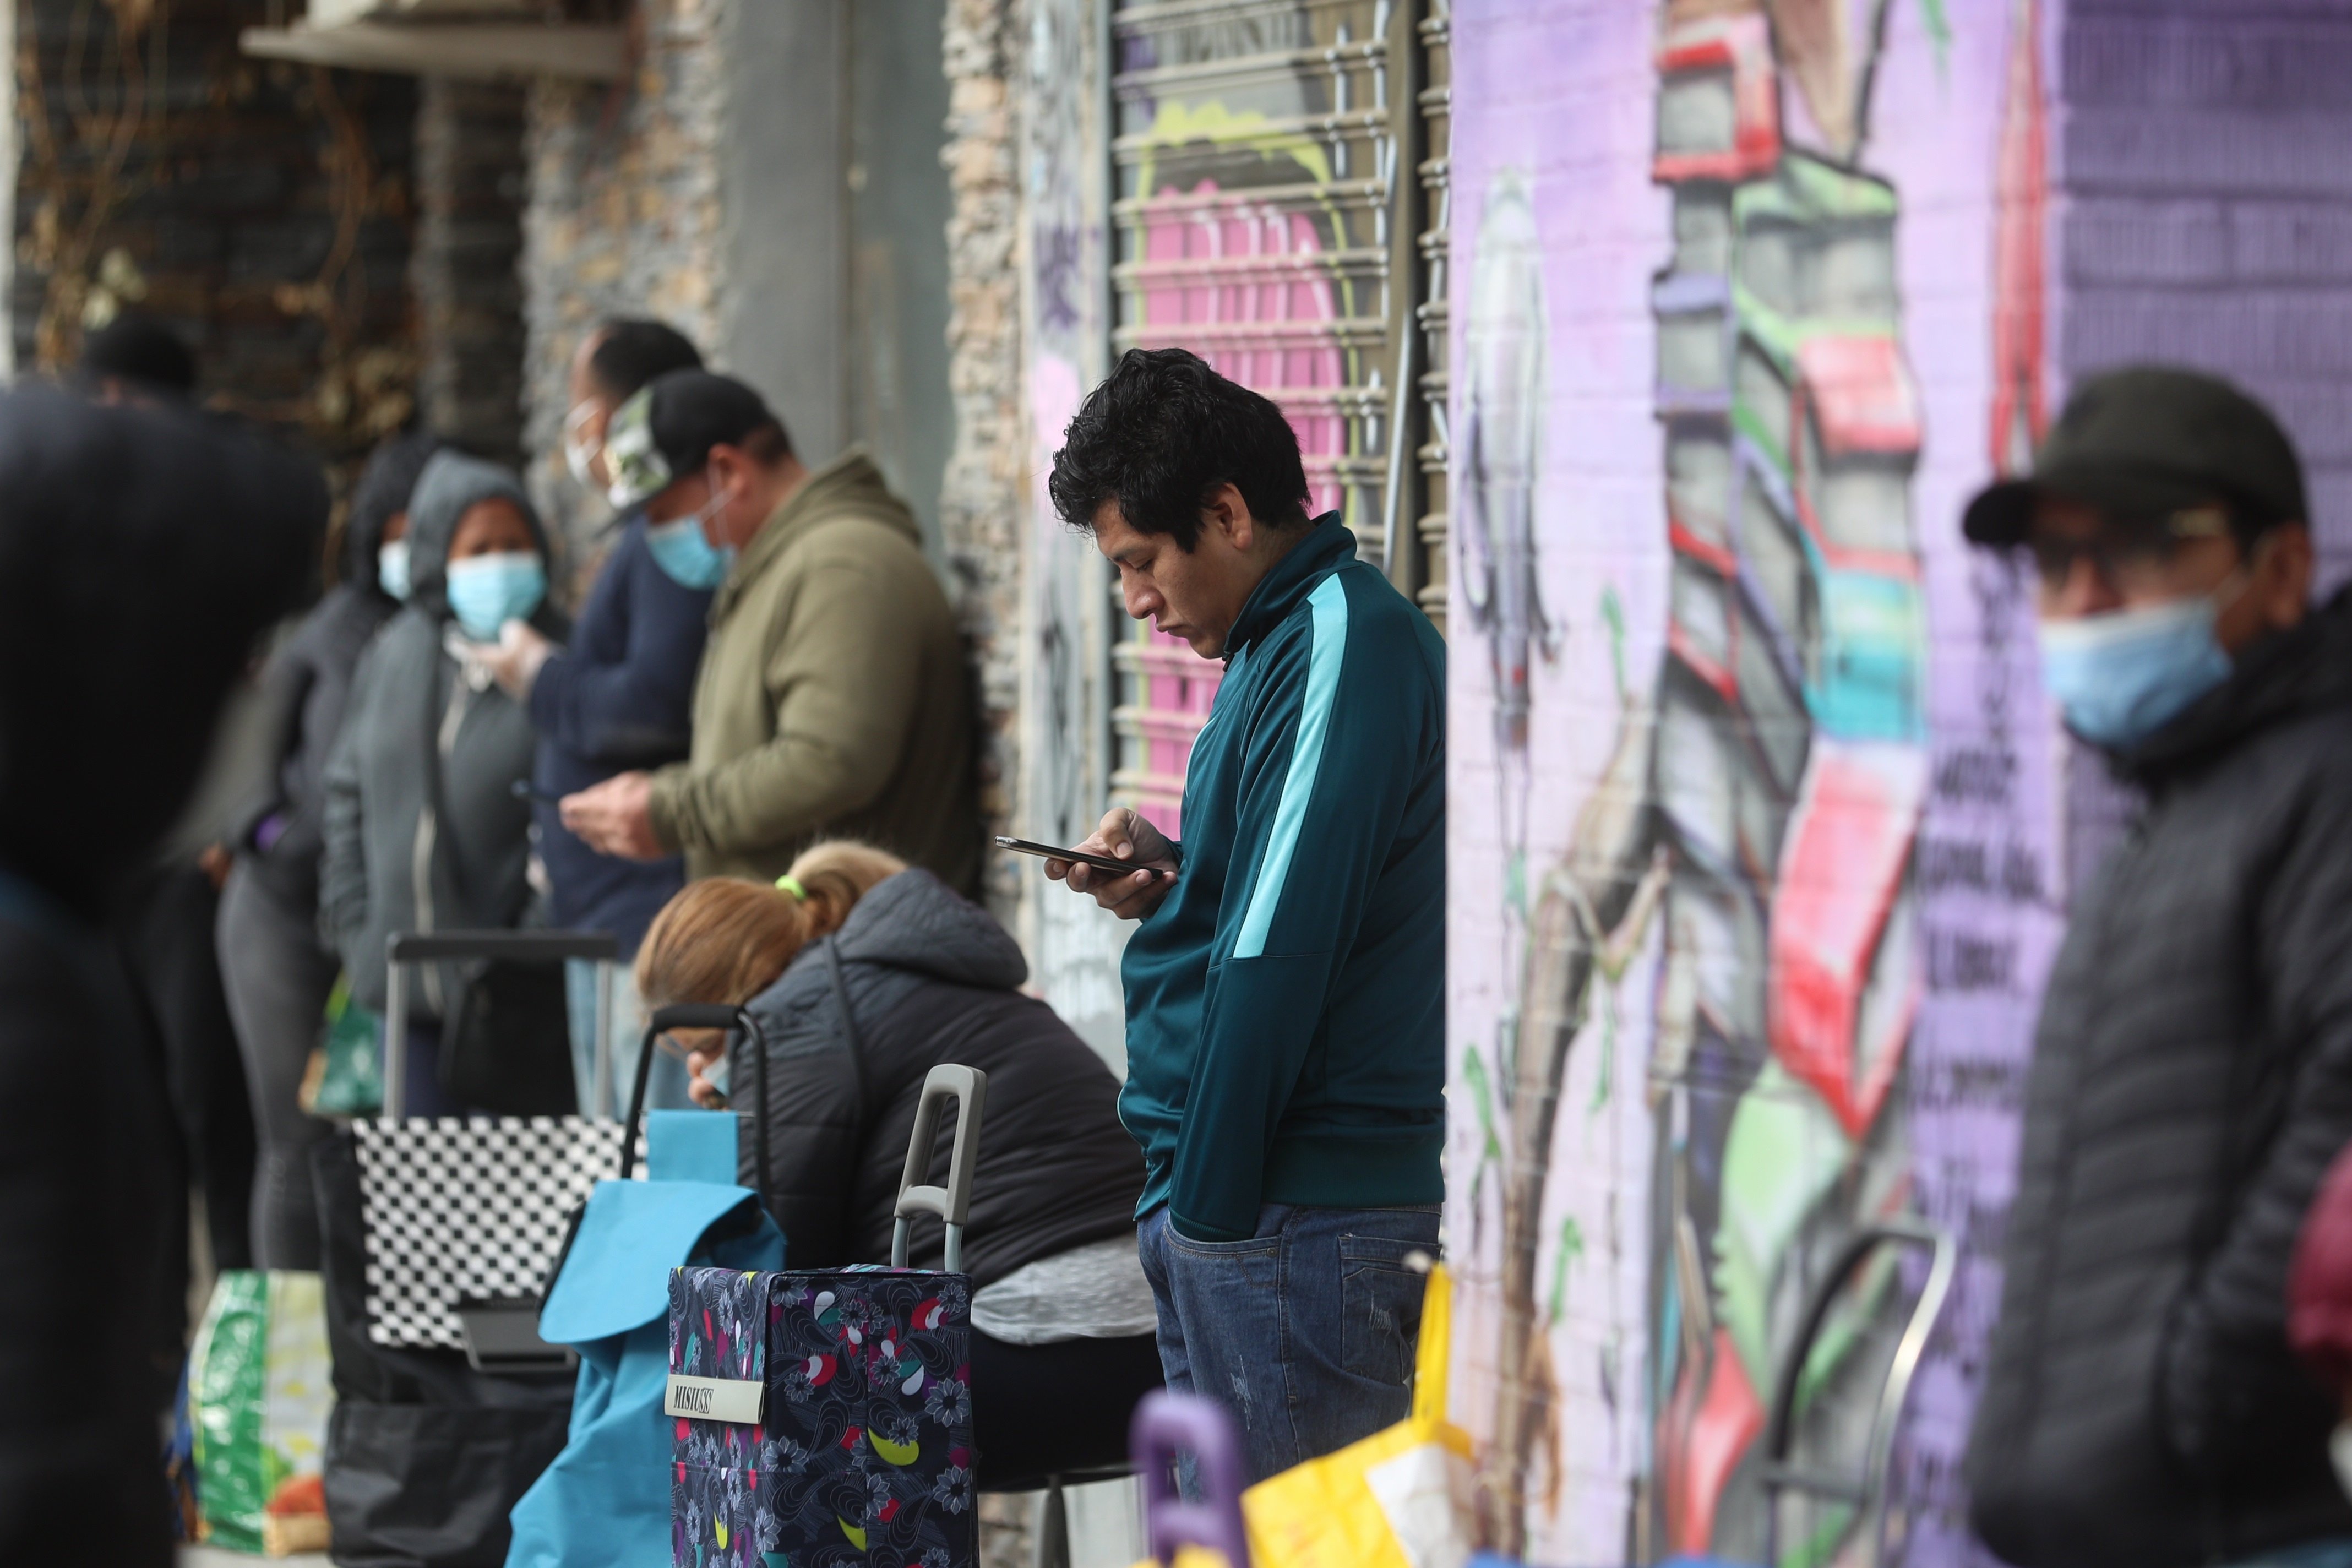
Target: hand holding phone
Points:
(1114, 866)
(1130, 885)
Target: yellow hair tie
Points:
(792, 885)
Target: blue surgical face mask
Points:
(2121, 675)
(392, 568)
(685, 552)
(486, 592)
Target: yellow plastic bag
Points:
(1397, 1499)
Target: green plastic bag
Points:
(349, 1074)
(259, 1392)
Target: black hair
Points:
(632, 351)
(766, 444)
(692, 411)
(139, 348)
(1160, 434)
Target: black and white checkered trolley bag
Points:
(442, 1233)
(464, 1215)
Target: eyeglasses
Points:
(2126, 553)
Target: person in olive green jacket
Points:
(833, 698)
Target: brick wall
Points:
(264, 211)
(2208, 217)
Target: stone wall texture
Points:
(983, 500)
(624, 219)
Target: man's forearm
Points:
(667, 804)
(782, 791)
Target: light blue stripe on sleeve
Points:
(1328, 652)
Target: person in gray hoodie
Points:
(448, 849)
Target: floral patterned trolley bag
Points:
(824, 1417)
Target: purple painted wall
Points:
(1649, 1159)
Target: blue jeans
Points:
(665, 1090)
(1305, 1331)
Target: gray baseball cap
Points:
(666, 427)
(2148, 441)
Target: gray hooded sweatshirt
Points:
(392, 862)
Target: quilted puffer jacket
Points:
(2191, 1082)
(930, 978)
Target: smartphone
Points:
(1076, 856)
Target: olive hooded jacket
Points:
(833, 699)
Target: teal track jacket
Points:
(1286, 1002)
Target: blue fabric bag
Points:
(606, 1500)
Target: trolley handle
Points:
(1165, 1426)
(705, 1015)
(968, 1086)
(407, 947)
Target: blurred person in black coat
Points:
(143, 553)
(275, 968)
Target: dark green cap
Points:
(2149, 440)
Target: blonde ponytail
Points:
(726, 939)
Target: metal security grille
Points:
(1256, 219)
(1435, 38)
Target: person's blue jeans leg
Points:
(1151, 1245)
(665, 1089)
(1305, 1331)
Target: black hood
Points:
(384, 488)
(2304, 670)
(143, 553)
(913, 921)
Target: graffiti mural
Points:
(1694, 984)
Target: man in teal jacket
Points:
(1286, 988)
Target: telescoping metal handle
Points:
(1866, 1493)
(1166, 1427)
(525, 946)
(968, 1086)
(705, 1015)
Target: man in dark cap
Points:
(833, 699)
(2192, 1070)
(187, 541)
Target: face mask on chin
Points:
(2122, 675)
